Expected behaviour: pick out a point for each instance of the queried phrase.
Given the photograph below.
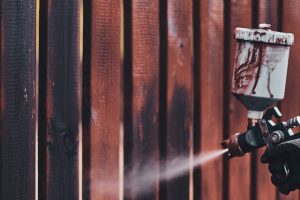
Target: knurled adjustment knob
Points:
(277, 136)
(293, 123)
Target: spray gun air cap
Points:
(233, 146)
(260, 67)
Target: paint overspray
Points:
(140, 179)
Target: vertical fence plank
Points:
(1, 90)
(42, 104)
(267, 13)
(86, 99)
(290, 106)
(144, 94)
(105, 100)
(18, 93)
(235, 114)
(211, 93)
(63, 99)
(179, 91)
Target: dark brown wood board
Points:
(18, 128)
(63, 99)
(1, 90)
(179, 123)
(42, 103)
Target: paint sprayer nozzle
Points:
(233, 146)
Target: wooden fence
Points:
(90, 88)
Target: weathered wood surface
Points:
(144, 75)
(105, 106)
(63, 99)
(211, 93)
(235, 114)
(179, 114)
(267, 13)
(174, 85)
(18, 99)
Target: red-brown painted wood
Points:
(239, 168)
(63, 99)
(105, 105)
(179, 91)
(144, 100)
(267, 13)
(290, 106)
(211, 93)
(142, 67)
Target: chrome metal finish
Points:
(265, 26)
(293, 123)
(277, 136)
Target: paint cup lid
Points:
(264, 34)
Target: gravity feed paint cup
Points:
(260, 67)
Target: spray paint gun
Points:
(259, 78)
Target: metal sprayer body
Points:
(259, 79)
(263, 133)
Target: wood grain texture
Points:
(105, 113)
(145, 98)
(239, 168)
(211, 93)
(290, 106)
(267, 13)
(63, 99)
(18, 99)
(179, 91)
